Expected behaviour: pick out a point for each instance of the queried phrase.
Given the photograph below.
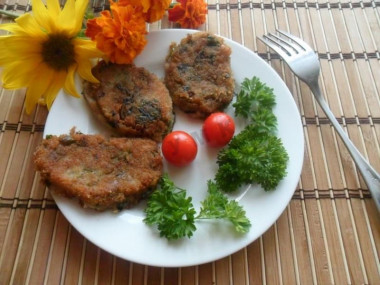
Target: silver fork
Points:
(303, 61)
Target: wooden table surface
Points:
(328, 234)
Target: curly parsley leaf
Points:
(218, 206)
(251, 159)
(255, 155)
(171, 211)
(174, 215)
(253, 95)
(264, 121)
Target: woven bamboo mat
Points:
(329, 233)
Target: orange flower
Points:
(153, 10)
(189, 13)
(120, 34)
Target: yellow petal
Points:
(18, 48)
(11, 27)
(42, 16)
(67, 18)
(21, 44)
(40, 12)
(31, 99)
(86, 49)
(53, 7)
(80, 10)
(22, 59)
(18, 74)
(38, 86)
(29, 25)
(85, 71)
(69, 85)
(54, 87)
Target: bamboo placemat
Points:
(329, 233)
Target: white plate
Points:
(124, 234)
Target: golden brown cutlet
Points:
(132, 100)
(198, 74)
(102, 173)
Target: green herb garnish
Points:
(256, 155)
(174, 215)
(170, 210)
(251, 157)
(218, 206)
(253, 96)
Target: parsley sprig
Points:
(218, 206)
(251, 157)
(174, 215)
(254, 96)
(170, 210)
(255, 155)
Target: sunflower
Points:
(42, 51)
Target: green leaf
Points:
(255, 155)
(253, 95)
(218, 206)
(171, 211)
(251, 158)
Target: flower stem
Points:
(9, 14)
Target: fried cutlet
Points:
(132, 100)
(102, 173)
(198, 74)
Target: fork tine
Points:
(295, 39)
(289, 44)
(275, 46)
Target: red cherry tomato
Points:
(218, 129)
(179, 148)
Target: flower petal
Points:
(41, 14)
(176, 13)
(54, 87)
(37, 87)
(69, 85)
(17, 74)
(12, 27)
(17, 48)
(29, 25)
(53, 7)
(80, 10)
(85, 71)
(67, 19)
(86, 48)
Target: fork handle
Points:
(369, 174)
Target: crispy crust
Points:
(198, 74)
(133, 101)
(102, 173)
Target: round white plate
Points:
(125, 234)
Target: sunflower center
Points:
(58, 52)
